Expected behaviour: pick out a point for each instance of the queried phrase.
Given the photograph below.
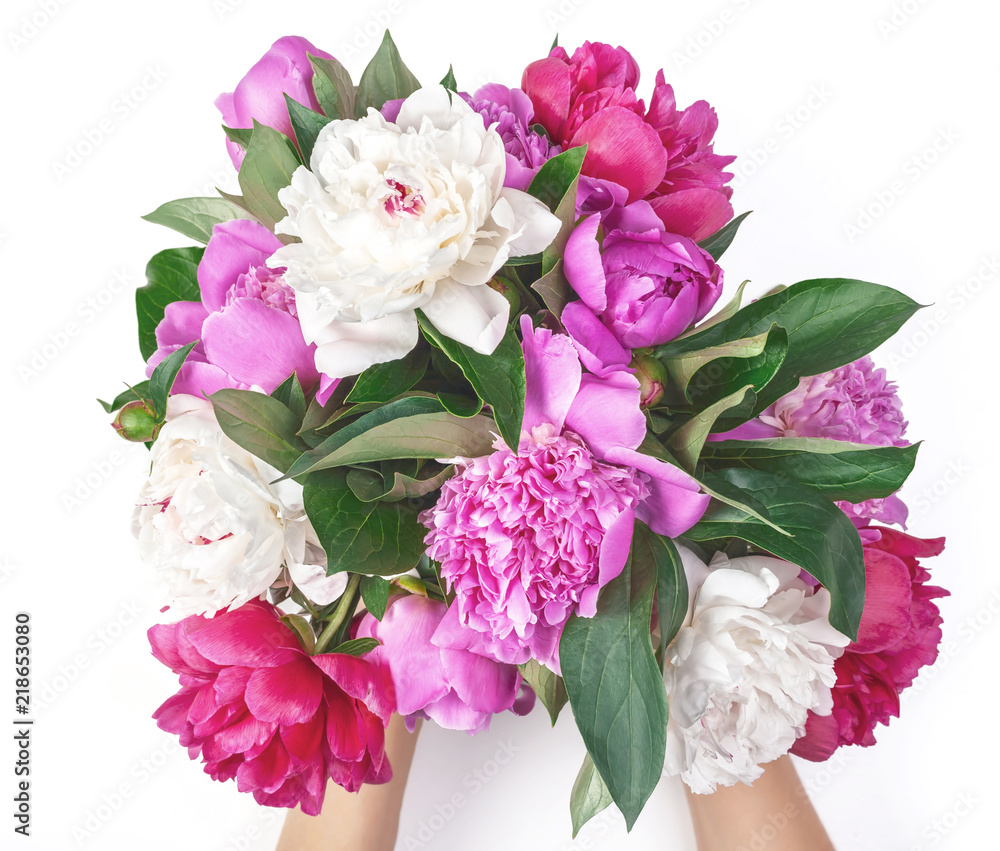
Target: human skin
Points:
(776, 810)
(368, 819)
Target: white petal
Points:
(534, 224)
(474, 316)
(349, 348)
(434, 103)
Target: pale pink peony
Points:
(899, 634)
(528, 538)
(256, 707)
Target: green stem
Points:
(330, 630)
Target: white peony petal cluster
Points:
(754, 657)
(217, 533)
(393, 217)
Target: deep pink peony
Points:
(664, 155)
(526, 539)
(647, 286)
(256, 707)
(439, 669)
(510, 111)
(284, 69)
(899, 634)
(246, 324)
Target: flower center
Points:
(403, 200)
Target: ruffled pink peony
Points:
(246, 323)
(646, 286)
(439, 669)
(510, 112)
(256, 707)
(899, 634)
(260, 95)
(527, 539)
(663, 155)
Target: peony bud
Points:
(652, 376)
(137, 422)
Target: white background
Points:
(834, 109)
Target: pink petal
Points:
(181, 324)
(552, 370)
(599, 350)
(888, 594)
(822, 738)
(247, 733)
(172, 716)
(266, 771)
(258, 345)
(695, 213)
(303, 741)
(614, 552)
(344, 734)
(548, 83)
(361, 679)
(606, 413)
(287, 694)
(233, 249)
(623, 149)
(582, 264)
(251, 635)
(453, 713)
(483, 684)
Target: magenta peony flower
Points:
(439, 669)
(284, 69)
(647, 286)
(256, 707)
(663, 155)
(899, 634)
(246, 323)
(511, 112)
(527, 538)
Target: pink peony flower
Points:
(528, 538)
(899, 634)
(243, 303)
(646, 286)
(510, 111)
(260, 95)
(439, 669)
(663, 155)
(256, 707)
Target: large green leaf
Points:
(291, 395)
(333, 88)
(371, 538)
(557, 176)
(306, 124)
(830, 322)
(385, 381)
(171, 275)
(615, 686)
(851, 471)
(270, 161)
(161, 382)
(671, 581)
(260, 424)
(822, 541)
(497, 378)
(589, 797)
(547, 685)
(195, 217)
(718, 242)
(687, 442)
(385, 78)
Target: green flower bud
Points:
(652, 376)
(137, 422)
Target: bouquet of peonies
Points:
(438, 426)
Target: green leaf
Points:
(195, 217)
(171, 275)
(385, 381)
(385, 78)
(547, 685)
(291, 395)
(268, 166)
(137, 391)
(830, 322)
(261, 425)
(306, 123)
(356, 646)
(239, 135)
(304, 631)
(729, 494)
(161, 382)
(851, 471)
(449, 81)
(497, 378)
(730, 310)
(554, 288)
(718, 242)
(823, 541)
(461, 406)
(559, 174)
(687, 442)
(375, 594)
(615, 686)
(333, 88)
(373, 538)
(671, 581)
(589, 797)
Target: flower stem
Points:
(338, 616)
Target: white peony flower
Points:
(395, 217)
(755, 655)
(212, 526)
